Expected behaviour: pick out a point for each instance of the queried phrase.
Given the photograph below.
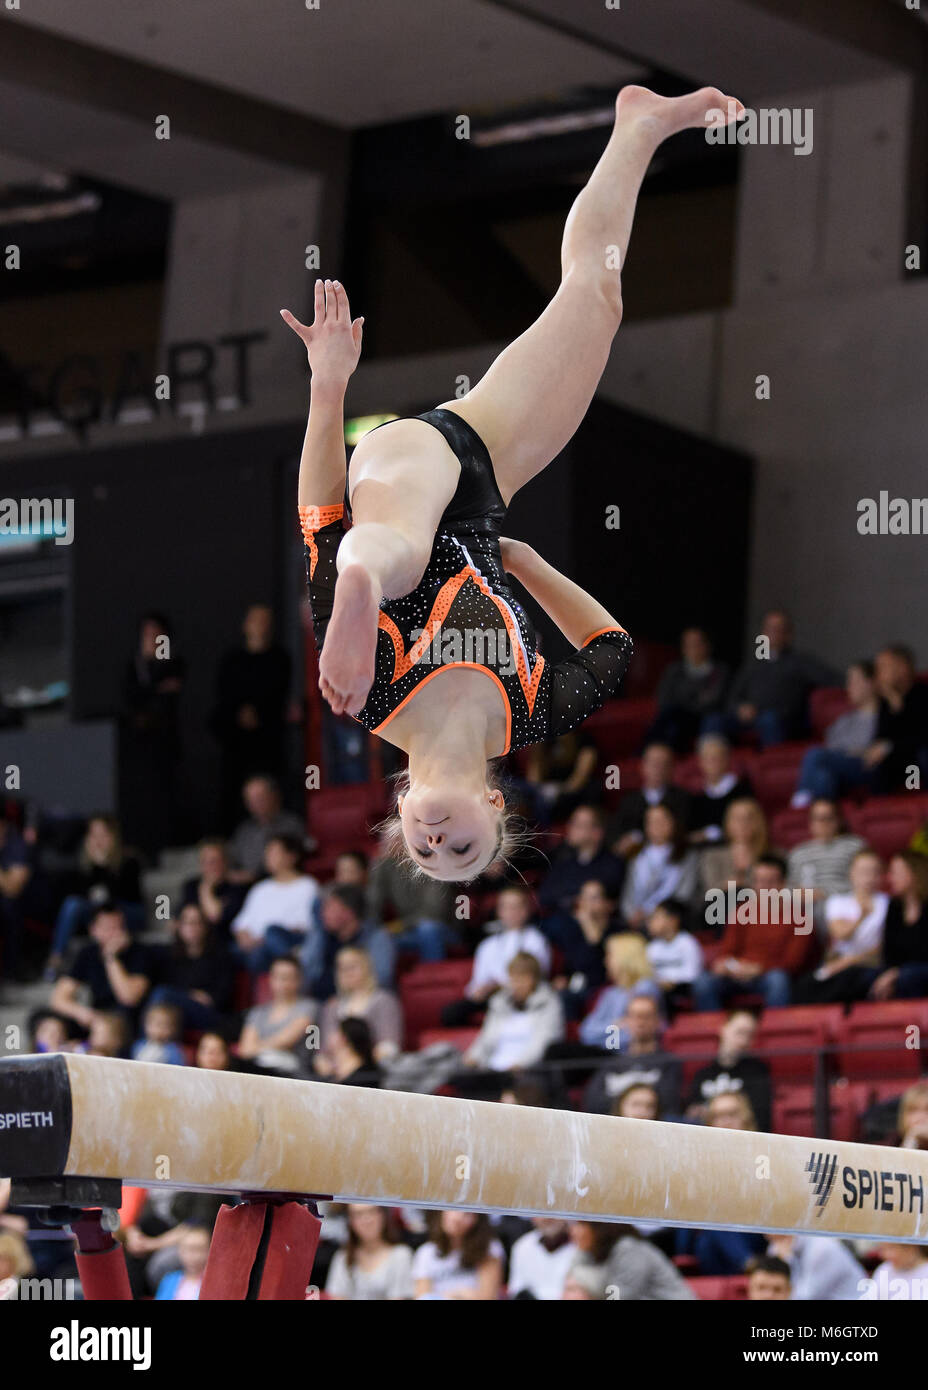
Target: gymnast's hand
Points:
(333, 342)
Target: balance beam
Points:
(66, 1115)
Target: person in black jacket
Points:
(689, 690)
(721, 785)
(105, 873)
(770, 692)
(250, 717)
(902, 721)
(733, 1070)
(582, 856)
(195, 974)
(626, 830)
(904, 972)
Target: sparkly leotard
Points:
(463, 613)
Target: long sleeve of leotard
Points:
(322, 532)
(583, 682)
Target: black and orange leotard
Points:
(463, 613)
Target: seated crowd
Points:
(673, 900)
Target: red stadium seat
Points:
(426, 989)
(789, 828)
(794, 1109)
(776, 773)
(825, 705)
(718, 1287)
(884, 1027)
(342, 817)
(620, 726)
(888, 823)
(693, 1038)
(806, 1028)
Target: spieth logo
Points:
(822, 1169)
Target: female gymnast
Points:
(424, 562)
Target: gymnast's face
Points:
(450, 834)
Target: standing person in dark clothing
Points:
(250, 717)
(902, 721)
(771, 690)
(689, 690)
(150, 744)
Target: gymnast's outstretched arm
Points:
(572, 609)
(333, 347)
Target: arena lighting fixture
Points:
(540, 127)
(50, 212)
(360, 425)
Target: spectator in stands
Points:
(183, 1285)
(770, 692)
(731, 1110)
(194, 974)
(351, 866)
(855, 923)
(374, 1265)
(213, 1053)
(540, 1260)
(913, 1117)
(642, 1061)
(278, 911)
(903, 971)
(674, 954)
(274, 1038)
(150, 746)
(350, 1059)
(116, 971)
(841, 765)
(633, 1269)
(152, 1238)
(733, 1071)
(561, 775)
(720, 786)
(161, 1024)
(768, 1279)
(579, 936)
(822, 1268)
(763, 948)
(663, 868)
(105, 874)
(630, 974)
(902, 724)
(343, 924)
(109, 1036)
(422, 907)
(50, 1032)
(250, 714)
(689, 690)
(902, 1275)
(509, 934)
(823, 863)
(461, 1260)
(266, 817)
(639, 1101)
(582, 856)
(626, 831)
(15, 873)
(746, 839)
(358, 995)
(521, 1021)
(218, 897)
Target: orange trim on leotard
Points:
(312, 519)
(404, 661)
(471, 665)
(593, 635)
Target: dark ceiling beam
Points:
(558, 24)
(91, 77)
(882, 28)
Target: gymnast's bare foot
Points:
(346, 667)
(665, 116)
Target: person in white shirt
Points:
(461, 1261)
(511, 933)
(675, 955)
(278, 911)
(521, 1022)
(540, 1260)
(855, 922)
(822, 1268)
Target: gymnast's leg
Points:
(534, 396)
